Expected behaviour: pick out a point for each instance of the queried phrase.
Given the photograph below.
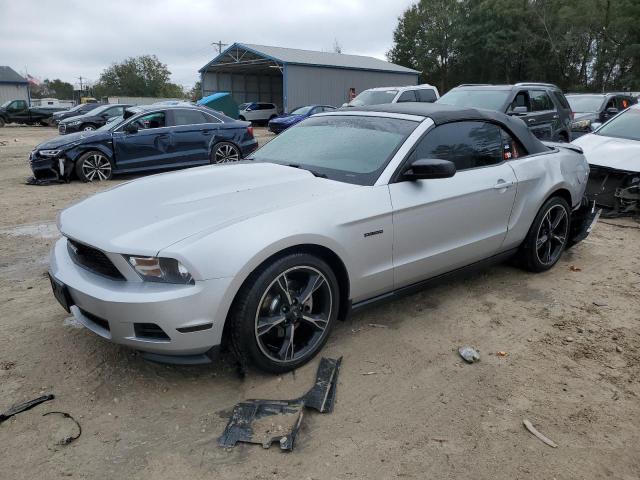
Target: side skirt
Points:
(438, 279)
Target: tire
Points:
(563, 137)
(43, 123)
(547, 237)
(88, 127)
(94, 166)
(268, 319)
(2, 122)
(225, 152)
(242, 118)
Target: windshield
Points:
(302, 110)
(351, 149)
(373, 97)
(585, 103)
(243, 106)
(111, 124)
(489, 99)
(99, 110)
(626, 125)
(6, 104)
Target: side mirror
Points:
(424, 169)
(594, 126)
(520, 110)
(131, 128)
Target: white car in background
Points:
(257, 111)
(613, 153)
(379, 96)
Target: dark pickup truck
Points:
(18, 111)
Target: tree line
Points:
(580, 45)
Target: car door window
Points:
(408, 96)
(520, 100)
(511, 147)
(114, 112)
(151, 120)
(466, 144)
(622, 103)
(426, 95)
(189, 117)
(540, 101)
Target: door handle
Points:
(501, 185)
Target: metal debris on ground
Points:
(501, 354)
(539, 435)
(267, 421)
(22, 407)
(573, 268)
(70, 438)
(469, 355)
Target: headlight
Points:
(49, 153)
(582, 124)
(75, 122)
(165, 270)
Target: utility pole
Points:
(80, 78)
(219, 44)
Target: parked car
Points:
(382, 95)
(257, 111)
(343, 209)
(542, 106)
(79, 109)
(592, 109)
(151, 137)
(18, 111)
(281, 123)
(92, 120)
(613, 153)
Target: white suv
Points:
(413, 93)
(257, 111)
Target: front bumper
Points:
(116, 309)
(277, 128)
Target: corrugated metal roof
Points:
(296, 56)
(9, 75)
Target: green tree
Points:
(195, 93)
(143, 76)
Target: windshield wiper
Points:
(313, 172)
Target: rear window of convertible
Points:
(349, 148)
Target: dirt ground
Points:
(407, 406)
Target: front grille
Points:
(97, 320)
(93, 260)
(150, 331)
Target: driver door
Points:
(444, 224)
(149, 147)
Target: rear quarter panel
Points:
(539, 177)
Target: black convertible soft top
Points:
(441, 113)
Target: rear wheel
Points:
(1, 122)
(94, 167)
(283, 314)
(242, 118)
(225, 152)
(548, 236)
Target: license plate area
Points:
(61, 292)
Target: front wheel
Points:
(283, 314)
(225, 152)
(548, 236)
(1, 122)
(88, 127)
(94, 167)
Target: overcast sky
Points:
(66, 39)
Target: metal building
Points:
(12, 85)
(291, 78)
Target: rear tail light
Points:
(250, 131)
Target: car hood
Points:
(78, 137)
(144, 216)
(584, 116)
(618, 153)
(288, 119)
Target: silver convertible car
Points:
(344, 209)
